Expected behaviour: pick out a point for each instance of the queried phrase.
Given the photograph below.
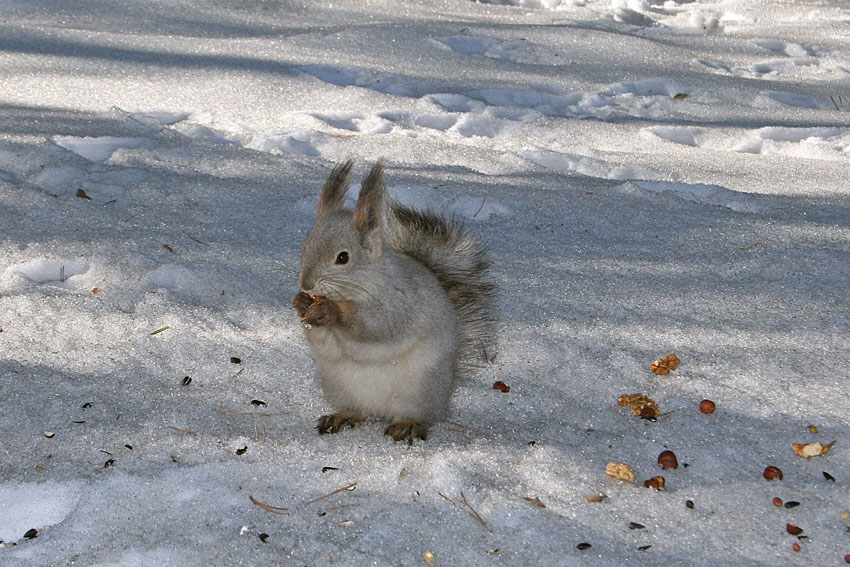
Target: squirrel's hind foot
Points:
(409, 430)
(334, 422)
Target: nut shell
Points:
(656, 482)
(621, 471)
(665, 364)
(707, 406)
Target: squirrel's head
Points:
(343, 242)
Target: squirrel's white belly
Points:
(408, 380)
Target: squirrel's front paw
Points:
(301, 302)
(323, 311)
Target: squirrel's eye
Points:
(341, 258)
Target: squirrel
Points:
(395, 305)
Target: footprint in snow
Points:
(67, 274)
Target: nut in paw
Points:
(301, 302)
(321, 312)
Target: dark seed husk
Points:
(258, 403)
(242, 450)
(636, 526)
(235, 360)
(263, 537)
(31, 534)
(187, 380)
(583, 546)
(828, 476)
(791, 504)
(689, 504)
(326, 469)
(108, 463)
(644, 547)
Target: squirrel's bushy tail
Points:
(456, 258)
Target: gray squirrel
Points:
(395, 305)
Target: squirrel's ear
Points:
(367, 215)
(335, 188)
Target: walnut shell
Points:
(809, 450)
(621, 471)
(642, 406)
(665, 364)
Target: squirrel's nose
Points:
(306, 282)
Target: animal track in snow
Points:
(356, 122)
(98, 149)
(467, 125)
(67, 274)
(827, 143)
(714, 195)
(513, 51)
(800, 101)
(590, 166)
(788, 48)
(345, 77)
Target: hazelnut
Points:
(707, 406)
(796, 546)
(777, 501)
(772, 473)
(502, 387)
(793, 530)
(668, 460)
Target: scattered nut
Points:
(642, 406)
(777, 501)
(793, 530)
(665, 364)
(428, 557)
(595, 497)
(656, 482)
(621, 471)
(813, 428)
(847, 558)
(796, 546)
(809, 450)
(49, 434)
(667, 460)
(707, 406)
(501, 386)
(772, 473)
(845, 515)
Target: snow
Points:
(650, 177)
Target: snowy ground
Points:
(651, 177)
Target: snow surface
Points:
(650, 176)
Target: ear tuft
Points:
(335, 188)
(367, 215)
